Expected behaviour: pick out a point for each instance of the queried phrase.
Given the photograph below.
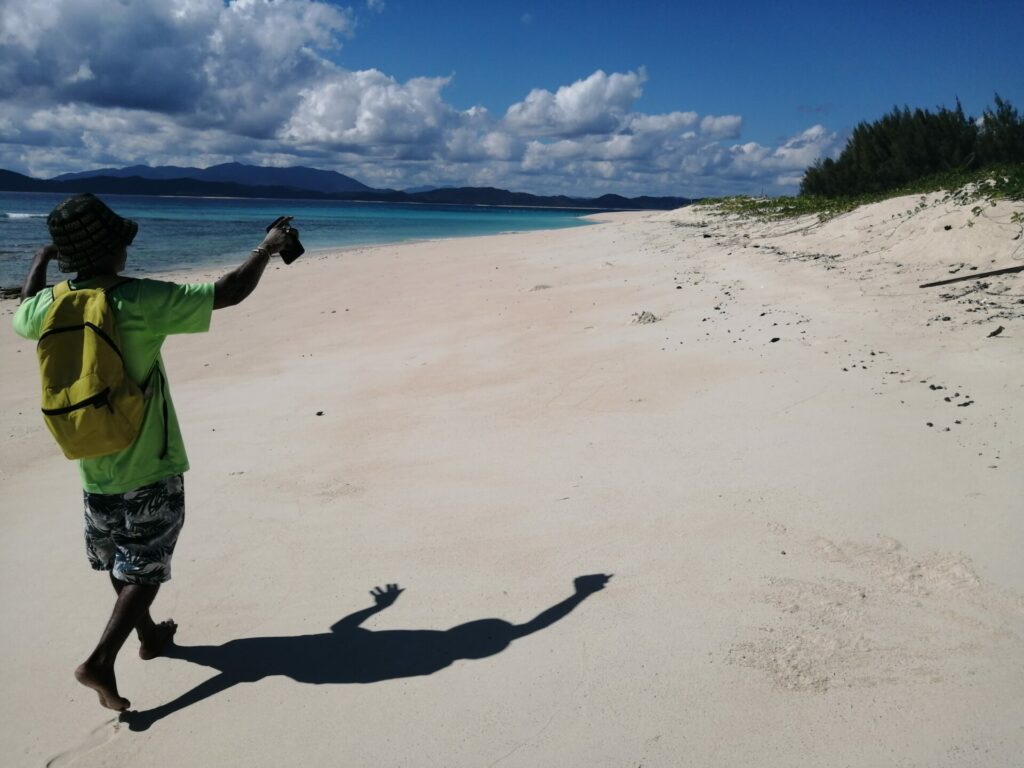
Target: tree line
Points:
(904, 146)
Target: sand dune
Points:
(802, 470)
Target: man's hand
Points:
(276, 239)
(235, 286)
(385, 597)
(586, 585)
(47, 253)
(35, 281)
(277, 235)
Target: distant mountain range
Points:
(297, 177)
(238, 180)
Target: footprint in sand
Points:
(97, 737)
(875, 615)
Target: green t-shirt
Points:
(147, 312)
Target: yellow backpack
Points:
(89, 403)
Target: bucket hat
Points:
(85, 231)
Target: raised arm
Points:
(236, 285)
(585, 587)
(382, 597)
(35, 281)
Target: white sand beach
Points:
(805, 477)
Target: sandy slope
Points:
(816, 556)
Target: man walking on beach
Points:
(134, 498)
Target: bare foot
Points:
(157, 640)
(103, 682)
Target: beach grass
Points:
(984, 185)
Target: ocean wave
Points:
(10, 215)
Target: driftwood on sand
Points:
(976, 276)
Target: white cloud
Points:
(377, 6)
(83, 73)
(790, 180)
(207, 62)
(668, 123)
(784, 162)
(722, 127)
(803, 149)
(352, 110)
(597, 104)
(91, 83)
(468, 144)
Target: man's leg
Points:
(153, 637)
(132, 535)
(97, 672)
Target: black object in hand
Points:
(293, 248)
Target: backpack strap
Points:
(115, 285)
(105, 283)
(61, 288)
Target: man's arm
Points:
(382, 597)
(236, 285)
(239, 283)
(35, 281)
(585, 586)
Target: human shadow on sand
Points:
(351, 654)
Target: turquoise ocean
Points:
(183, 232)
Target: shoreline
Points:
(363, 202)
(558, 220)
(803, 479)
(183, 273)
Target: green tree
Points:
(903, 146)
(1001, 138)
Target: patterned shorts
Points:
(133, 534)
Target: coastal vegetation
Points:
(905, 146)
(908, 152)
(986, 184)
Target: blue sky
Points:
(566, 97)
(773, 62)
